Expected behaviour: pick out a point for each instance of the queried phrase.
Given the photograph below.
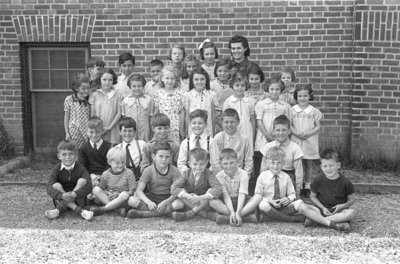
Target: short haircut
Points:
(275, 153)
(116, 154)
(243, 40)
(177, 46)
(160, 120)
(96, 123)
(67, 145)
(231, 112)
(207, 45)
(288, 70)
(304, 87)
(189, 58)
(255, 69)
(198, 113)
(238, 77)
(282, 120)
(278, 81)
(109, 71)
(199, 70)
(127, 122)
(227, 154)
(161, 146)
(222, 62)
(94, 62)
(169, 68)
(156, 62)
(79, 78)
(329, 154)
(136, 78)
(125, 57)
(198, 154)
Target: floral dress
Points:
(170, 105)
(79, 112)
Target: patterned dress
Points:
(79, 112)
(171, 105)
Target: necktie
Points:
(277, 194)
(197, 142)
(95, 146)
(128, 156)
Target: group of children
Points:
(212, 139)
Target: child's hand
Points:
(67, 136)
(275, 203)
(152, 206)
(285, 201)
(161, 206)
(238, 219)
(68, 197)
(326, 212)
(338, 208)
(194, 198)
(232, 219)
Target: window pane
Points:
(76, 59)
(40, 59)
(59, 80)
(40, 79)
(58, 59)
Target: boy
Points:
(235, 183)
(230, 138)
(196, 186)
(332, 192)
(133, 148)
(126, 63)
(157, 179)
(94, 66)
(155, 70)
(198, 122)
(293, 165)
(69, 183)
(160, 125)
(276, 198)
(93, 153)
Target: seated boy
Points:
(93, 153)
(160, 125)
(126, 63)
(116, 185)
(94, 66)
(198, 122)
(69, 183)
(230, 138)
(157, 179)
(195, 187)
(235, 182)
(332, 192)
(293, 165)
(133, 147)
(154, 85)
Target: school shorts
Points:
(157, 198)
(235, 201)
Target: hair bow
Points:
(202, 44)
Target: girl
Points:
(176, 56)
(222, 91)
(200, 97)
(256, 77)
(288, 77)
(305, 121)
(240, 50)
(77, 110)
(169, 101)
(106, 104)
(208, 53)
(190, 63)
(243, 106)
(266, 111)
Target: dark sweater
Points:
(68, 180)
(94, 161)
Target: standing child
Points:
(200, 97)
(106, 104)
(208, 54)
(256, 78)
(233, 209)
(176, 56)
(68, 184)
(157, 179)
(117, 184)
(77, 110)
(189, 64)
(243, 106)
(169, 101)
(126, 63)
(155, 73)
(305, 121)
(288, 77)
(94, 66)
(195, 188)
(138, 106)
(222, 90)
(240, 51)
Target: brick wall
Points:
(316, 38)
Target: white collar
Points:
(98, 144)
(110, 94)
(67, 168)
(269, 101)
(307, 110)
(235, 99)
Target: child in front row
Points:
(117, 184)
(195, 188)
(157, 179)
(233, 208)
(69, 183)
(198, 122)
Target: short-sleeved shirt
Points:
(239, 183)
(121, 182)
(292, 150)
(140, 110)
(265, 185)
(332, 192)
(159, 184)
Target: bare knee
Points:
(96, 190)
(133, 201)
(124, 196)
(214, 202)
(178, 204)
(264, 206)
(350, 213)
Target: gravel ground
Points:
(26, 236)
